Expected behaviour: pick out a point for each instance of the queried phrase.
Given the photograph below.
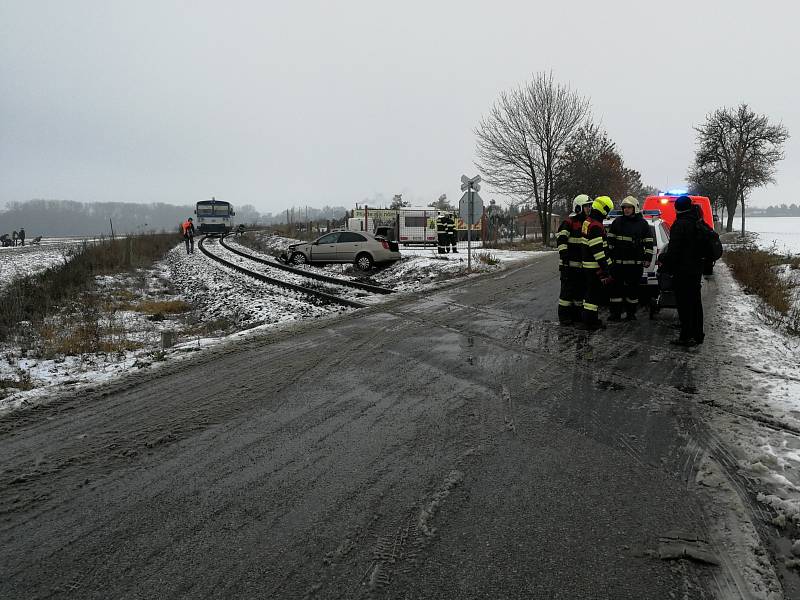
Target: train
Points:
(214, 216)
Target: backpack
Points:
(709, 239)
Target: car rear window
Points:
(349, 236)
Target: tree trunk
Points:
(731, 214)
(742, 198)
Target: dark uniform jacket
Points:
(629, 240)
(684, 255)
(570, 241)
(450, 225)
(594, 243)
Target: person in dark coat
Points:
(21, 236)
(442, 243)
(684, 259)
(452, 238)
(630, 249)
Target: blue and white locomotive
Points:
(214, 216)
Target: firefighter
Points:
(595, 262)
(187, 229)
(441, 233)
(570, 251)
(630, 249)
(452, 234)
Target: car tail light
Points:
(403, 237)
(385, 244)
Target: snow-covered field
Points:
(221, 306)
(781, 232)
(21, 261)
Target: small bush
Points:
(756, 271)
(488, 258)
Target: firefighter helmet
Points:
(580, 201)
(603, 204)
(630, 201)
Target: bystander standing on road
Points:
(21, 236)
(684, 259)
(188, 235)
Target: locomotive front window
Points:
(222, 210)
(204, 211)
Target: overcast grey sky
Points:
(311, 103)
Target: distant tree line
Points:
(792, 210)
(68, 217)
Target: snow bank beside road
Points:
(754, 407)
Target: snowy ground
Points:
(221, 305)
(418, 268)
(756, 412)
(21, 261)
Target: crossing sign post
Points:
(470, 209)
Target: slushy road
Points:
(454, 444)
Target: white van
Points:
(417, 224)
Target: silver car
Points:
(361, 248)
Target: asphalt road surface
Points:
(450, 445)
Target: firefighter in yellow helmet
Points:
(595, 261)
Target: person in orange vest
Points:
(187, 228)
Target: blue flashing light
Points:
(676, 192)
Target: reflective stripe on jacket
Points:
(594, 242)
(629, 240)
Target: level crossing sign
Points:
(470, 212)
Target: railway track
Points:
(373, 289)
(308, 291)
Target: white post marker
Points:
(470, 205)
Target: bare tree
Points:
(520, 143)
(737, 152)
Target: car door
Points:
(324, 249)
(349, 245)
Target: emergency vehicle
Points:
(666, 204)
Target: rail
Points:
(375, 289)
(284, 284)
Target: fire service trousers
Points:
(625, 292)
(570, 301)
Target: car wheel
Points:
(363, 262)
(298, 258)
